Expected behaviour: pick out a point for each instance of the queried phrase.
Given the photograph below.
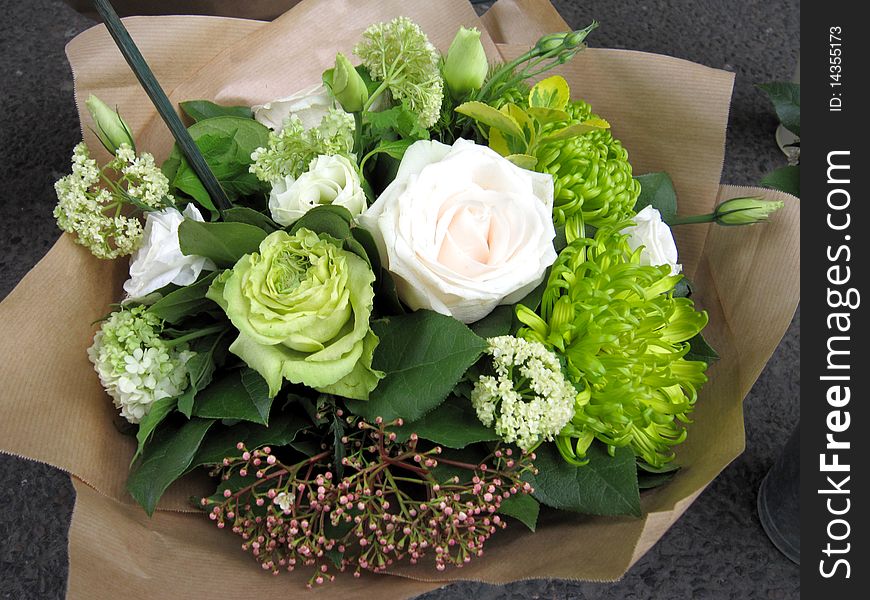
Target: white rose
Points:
(159, 261)
(309, 105)
(656, 238)
(329, 180)
(463, 229)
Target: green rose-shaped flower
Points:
(302, 308)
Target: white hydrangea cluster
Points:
(528, 400)
(90, 205)
(136, 366)
(291, 150)
(399, 54)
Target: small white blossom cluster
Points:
(94, 212)
(528, 399)
(136, 366)
(399, 54)
(291, 150)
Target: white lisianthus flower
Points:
(310, 105)
(329, 180)
(657, 239)
(463, 229)
(159, 261)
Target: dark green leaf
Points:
(499, 322)
(333, 221)
(386, 298)
(222, 444)
(200, 110)
(606, 485)
(657, 190)
(165, 460)
(423, 355)
(159, 410)
(395, 149)
(338, 449)
(786, 98)
(184, 301)
(699, 349)
(200, 370)
(243, 214)
(226, 143)
(224, 243)
(785, 179)
(238, 395)
(683, 289)
(396, 121)
(454, 424)
(647, 480)
(522, 507)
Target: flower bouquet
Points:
(422, 292)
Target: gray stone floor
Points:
(717, 550)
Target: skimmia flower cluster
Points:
(291, 150)
(527, 399)
(96, 204)
(391, 501)
(623, 335)
(136, 366)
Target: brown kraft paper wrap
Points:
(746, 278)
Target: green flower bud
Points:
(551, 42)
(348, 86)
(466, 66)
(745, 211)
(302, 306)
(110, 127)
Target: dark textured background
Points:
(717, 549)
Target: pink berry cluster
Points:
(390, 502)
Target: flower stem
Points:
(196, 334)
(708, 218)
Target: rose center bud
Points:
(472, 232)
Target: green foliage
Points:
(224, 243)
(158, 412)
(164, 460)
(522, 507)
(200, 110)
(241, 394)
(785, 179)
(243, 214)
(657, 190)
(201, 368)
(423, 354)
(454, 424)
(606, 485)
(786, 99)
(185, 301)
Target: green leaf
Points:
(423, 355)
(240, 395)
(484, 113)
(552, 92)
(786, 98)
(649, 477)
(224, 243)
(606, 485)
(453, 424)
(386, 297)
(222, 444)
(396, 121)
(200, 370)
(657, 190)
(155, 416)
(523, 161)
(699, 349)
(165, 460)
(522, 507)
(334, 221)
(184, 301)
(545, 116)
(226, 143)
(243, 214)
(785, 179)
(499, 322)
(200, 110)
(395, 149)
(577, 129)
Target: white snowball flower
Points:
(657, 239)
(329, 180)
(310, 105)
(463, 229)
(159, 261)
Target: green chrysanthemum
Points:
(591, 172)
(622, 336)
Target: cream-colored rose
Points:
(309, 105)
(656, 238)
(462, 229)
(329, 180)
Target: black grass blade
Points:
(146, 77)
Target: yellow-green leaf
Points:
(577, 129)
(484, 113)
(552, 92)
(526, 123)
(498, 142)
(545, 116)
(524, 161)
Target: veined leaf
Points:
(200, 110)
(454, 425)
(552, 92)
(491, 117)
(522, 507)
(225, 243)
(657, 190)
(523, 161)
(240, 395)
(184, 301)
(576, 129)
